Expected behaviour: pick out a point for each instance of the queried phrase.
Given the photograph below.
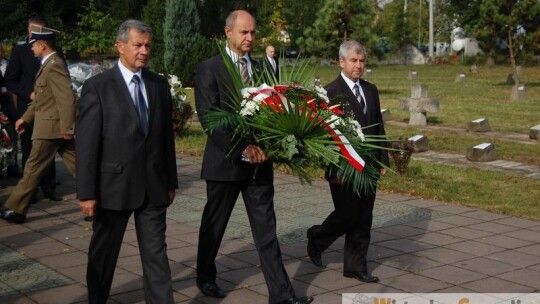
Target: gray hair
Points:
(123, 29)
(349, 45)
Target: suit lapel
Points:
(151, 92)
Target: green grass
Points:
(481, 95)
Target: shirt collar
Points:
(128, 74)
(43, 59)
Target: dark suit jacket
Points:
(21, 73)
(268, 65)
(212, 89)
(339, 93)
(116, 164)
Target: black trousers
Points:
(109, 227)
(353, 216)
(259, 202)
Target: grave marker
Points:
(478, 125)
(418, 104)
(419, 143)
(483, 152)
(535, 132)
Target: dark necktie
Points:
(359, 98)
(244, 71)
(140, 104)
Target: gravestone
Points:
(535, 132)
(483, 152)
(419, 143)
(519, 71)
(412, 75)
(510, 79)
(386, 115)
(418, 104)
(518, 93)
(460, 77)
(478, 125)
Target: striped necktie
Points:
(244, 71)
(359, 98)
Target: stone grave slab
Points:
(535, 132)
(419, 143)
(483, 152)
(478, 125)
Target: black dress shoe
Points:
(53, 197)
(364, 277)
(314, 255)
(12, 217)
(211, 289)
(303, 300)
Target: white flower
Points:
(322, 93)
(249, 107)
(358, 129)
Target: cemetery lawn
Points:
(482, 95)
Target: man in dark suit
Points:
(126, 164)
(228, 175)
(52, 112)
(20, 75)
(271, 62)
(353, 214)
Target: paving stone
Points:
(437, 239)
(413, 283)
(518, 222)
(328, 280)
(444, 255)
(532, 250)
(451, 274)
(475, 248)
(496, 285)
(525, 234)
(493, 227)
(406, 245)
(68, 294)
(466, 233)
(504, 241)
(525, 277)
(515, 258)
(486, 266)
(458, 220)
(410, 262)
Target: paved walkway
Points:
(417, 246)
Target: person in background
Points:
(227, 177)
(20, 75)
(353, 214)
(126, 164)
(53, 112)
(271, 61)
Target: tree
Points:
(153, 14)
(181, 32)
(510, 23)
(93, 35)
(336, 22)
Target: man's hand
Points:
(172, 194)
(19, 125)
(33, 96)
(255, 154)
(383, 171)
(88, 207)
(68, 136)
